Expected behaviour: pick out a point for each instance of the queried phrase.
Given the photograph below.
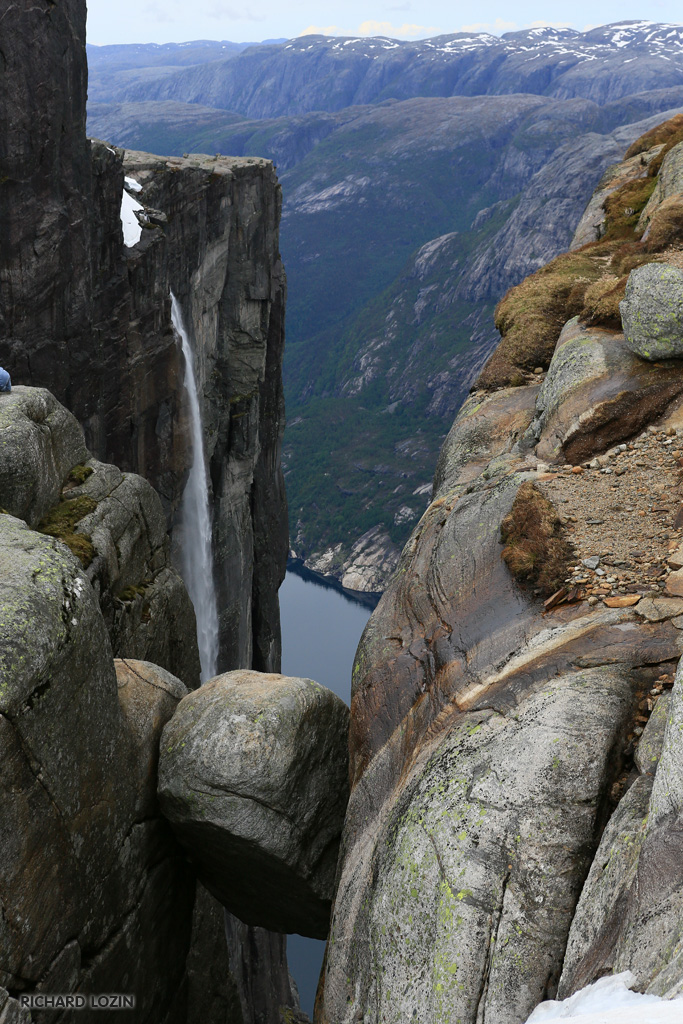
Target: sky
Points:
(166, 21)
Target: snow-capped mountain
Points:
(329, 72)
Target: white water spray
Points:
(196, 549)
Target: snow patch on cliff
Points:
(132, 229)
(610, 1001)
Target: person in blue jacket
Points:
(5, 380)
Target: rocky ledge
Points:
(505, 838)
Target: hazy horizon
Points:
(176, 21)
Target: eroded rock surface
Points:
(147, 609)
(629, 915)
(253, 778)
(468, 887)
(120, 532)
(10, 1010)
(91, 874)
(597, 393)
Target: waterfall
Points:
(196, 554)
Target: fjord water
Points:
(321, 628)
(196, 551)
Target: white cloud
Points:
(322, 30)
(221, 11)
(385, 28)
(495, 27)
(165, 11)
(159, 12)
(549, 24)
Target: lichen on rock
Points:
(652, 312)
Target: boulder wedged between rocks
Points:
(253, 776)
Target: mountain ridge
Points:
(330, 73)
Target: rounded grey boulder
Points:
(253, 776)
(40, 442)
(652, 312)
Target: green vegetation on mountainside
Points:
(387, 209)
(589, 282)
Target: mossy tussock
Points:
(667, 134)
(589, 282)
(133, 592)
(624, 207)
(60, 522)
(78, 475)
(536, 550)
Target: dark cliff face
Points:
(89, 318)
(218, 252)
(45, 204)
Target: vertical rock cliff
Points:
(88, 317)
(217, 245)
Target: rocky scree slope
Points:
(402, 224)
(503, 688)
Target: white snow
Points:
(610, 1001)
(132, 229)
(132, 184)
(544, 41)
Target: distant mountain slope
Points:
(332, 73)
(113, 69)
(403, 224)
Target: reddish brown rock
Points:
(674, 584)
(597, 394)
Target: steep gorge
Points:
(88, 318)
(464, 164)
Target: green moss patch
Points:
(60, 522)
(536, 550)
(79, 474)
(133, 592)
